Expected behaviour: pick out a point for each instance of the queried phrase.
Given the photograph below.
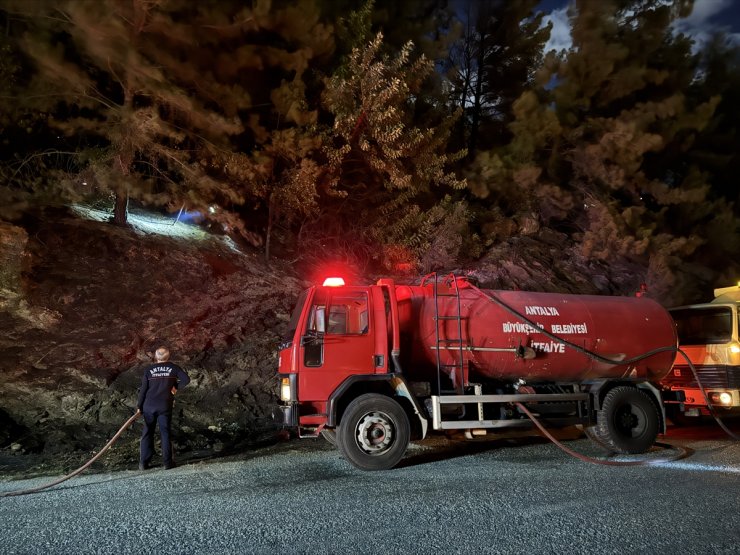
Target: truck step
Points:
(312, 419)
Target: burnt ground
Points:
(83, 304)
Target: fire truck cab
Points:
(709, 335)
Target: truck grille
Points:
(710, 376)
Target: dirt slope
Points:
(83, 303)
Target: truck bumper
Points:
(287, 415)
(722, 398)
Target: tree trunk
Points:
(120, 210)
(268, 233)
(477, 99)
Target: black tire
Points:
(330, 436)
(628, 421)
(374, 432)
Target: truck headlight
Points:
(721, 398)
(285, 389)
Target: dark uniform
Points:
(155, 403)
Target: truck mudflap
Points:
(286, 415)
(402, 390)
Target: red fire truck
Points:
(374, 367)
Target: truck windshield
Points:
(296, 316)
(703, 326)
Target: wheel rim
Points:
(630, 420)
(374, 433)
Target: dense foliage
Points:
(410, 135)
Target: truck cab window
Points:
(313, 352)
(337, 320)
(703, 326)
(341, 314)
(348, 314)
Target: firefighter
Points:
(159, 384)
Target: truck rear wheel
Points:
(628, 421)
(374, 432)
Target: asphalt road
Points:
(510, 496)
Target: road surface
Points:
(505, 496)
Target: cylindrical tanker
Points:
(617, 328)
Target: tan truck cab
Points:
(708, 334)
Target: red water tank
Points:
(617, 328)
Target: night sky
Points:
(707, 17)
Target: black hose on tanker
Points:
(600, 358)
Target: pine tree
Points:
(604, 154)
(178, 103)
(718, 146)
(103, 66)
(492, 64)
(30, 152)
(378, 155)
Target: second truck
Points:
(374, 367)
(709, 335)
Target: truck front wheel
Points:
(374, 432)
(628, 421)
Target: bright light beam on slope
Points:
(155, 224)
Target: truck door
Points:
(338, 341)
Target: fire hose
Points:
(681, 452)
(79, 470)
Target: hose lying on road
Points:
(680, 451)
(82, 468)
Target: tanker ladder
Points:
(457, 369)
